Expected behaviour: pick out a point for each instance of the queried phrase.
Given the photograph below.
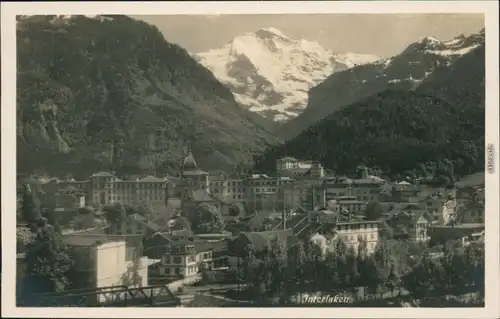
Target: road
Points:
(207, 288)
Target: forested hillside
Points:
(406, 71)
(436, 130)
(109, 92)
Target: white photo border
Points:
(8, 44)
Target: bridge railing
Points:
(106, 296)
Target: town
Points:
(209, 239)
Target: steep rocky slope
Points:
(271, 73)
(109, 92)
(405, 71)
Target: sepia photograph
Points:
(250, 160)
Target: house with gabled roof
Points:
(259, 242)
(134, 224)
(410, 223)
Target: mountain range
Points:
(110, 93)
(434, 129)
(405, 71)
(270, 73)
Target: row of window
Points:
(132, 198)
(353, 227)
(134, 185)
(167, 259)
(229, 183)
(230, 190)
(171, 271)
(263, 190)
(360, 198)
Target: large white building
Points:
(105, 261)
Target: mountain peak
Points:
(270, 32)
(429, 39)
(271, 74)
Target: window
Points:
(372, 236)
(191, 259)
(177, 260)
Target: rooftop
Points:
(89, 240)
(189, 164)
(462, 226)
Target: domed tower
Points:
(189, 163)
(191, 172)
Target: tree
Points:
(145, 209)
(352, 270)
(114, 213)
(373, 211)
(367, 270)
(383, 262)
(338, 264)
(421, 279)
(47, 262)
(24, 237)
(85, 218)
(385, 231)
(207, 220)
(207, 273)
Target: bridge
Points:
(113, 296)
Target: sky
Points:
(379, 34)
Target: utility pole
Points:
(283, 215)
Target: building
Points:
(104, 188)
(190, 172)
(465, 233)
(133, 224)
(345, 227)
(104, 261)
(291, 165)
(184, 258)
(351, 204)
(404, 191)
(262, 192)
(67, 204)
(470, 212)
(228, 189)
(305, 193)
(108, 189)
(363, 190)
(259, 242)
(410, 223)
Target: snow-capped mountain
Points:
(271, 73)
(404, 71)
